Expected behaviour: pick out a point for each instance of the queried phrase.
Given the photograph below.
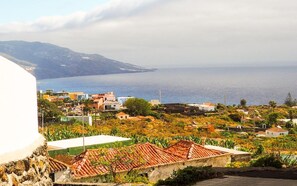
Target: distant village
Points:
(83, 107)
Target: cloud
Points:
(112, 10)
(175, 32)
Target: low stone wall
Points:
(165, 171)
(241, 157)
(30, 171)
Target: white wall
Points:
(18, 108)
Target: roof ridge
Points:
(55, 160)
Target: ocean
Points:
(258, 85)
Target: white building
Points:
(84, 119)
(294, 121)
(276, 131)
(205, 106)
(122, 100)
(20, 143)
(155, 102)
(19, 126)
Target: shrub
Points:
(190, 175)
(238, 164)
(267, 161)
(289, 160)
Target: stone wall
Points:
(165, 171)
(30, 171)
(241, 157)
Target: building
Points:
(98, 103)
(208, 107)
(122, 100)
(59, 171)
(84, 96)
(105, 102)
(236, 155)
(148, 159)
(122, 116)
(84, 119)
(111, 105)
(23, 159)
(75, 95)
(294, 121)
(276, 131)
(155, 102)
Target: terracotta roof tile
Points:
(191, 150)
(136, 156)
(56, 166)
(276, 129)
(122, 114)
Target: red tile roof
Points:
(276, 129)
(136, 156)
(122, 114)
(191, 150)
(56, 166)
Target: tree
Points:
(112, 159)
(289, 100)
(137, 106)
(50, 110)
(243, 102)
(87, 105)
(272, 118)
(272, 104)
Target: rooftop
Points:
(78, 142)
(276, 129)
(191, 150)
(56, 166)
(139, 156)
(135, 156)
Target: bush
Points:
(238, 164)
(267, 161)
(190, 175)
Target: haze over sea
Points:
(258, 85)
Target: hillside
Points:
(50, 61)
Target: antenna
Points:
(160, 96)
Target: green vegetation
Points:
(267, 161)
(50, 110)
(289, 101)
(137, 106)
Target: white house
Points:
(85, 119)
(122, 100)
(205, 106)
(111, 105)
(122, 116)
(294, 121)
(276, 131)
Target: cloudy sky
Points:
(161, 33)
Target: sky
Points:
(161, 33)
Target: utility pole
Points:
(42, 121)
(160, 96)
(83, 122)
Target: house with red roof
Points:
(148, 159)
(122, 116)
(276, 131)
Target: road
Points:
(246, 181)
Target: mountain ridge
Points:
(45, 60)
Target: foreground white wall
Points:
(18, 111)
